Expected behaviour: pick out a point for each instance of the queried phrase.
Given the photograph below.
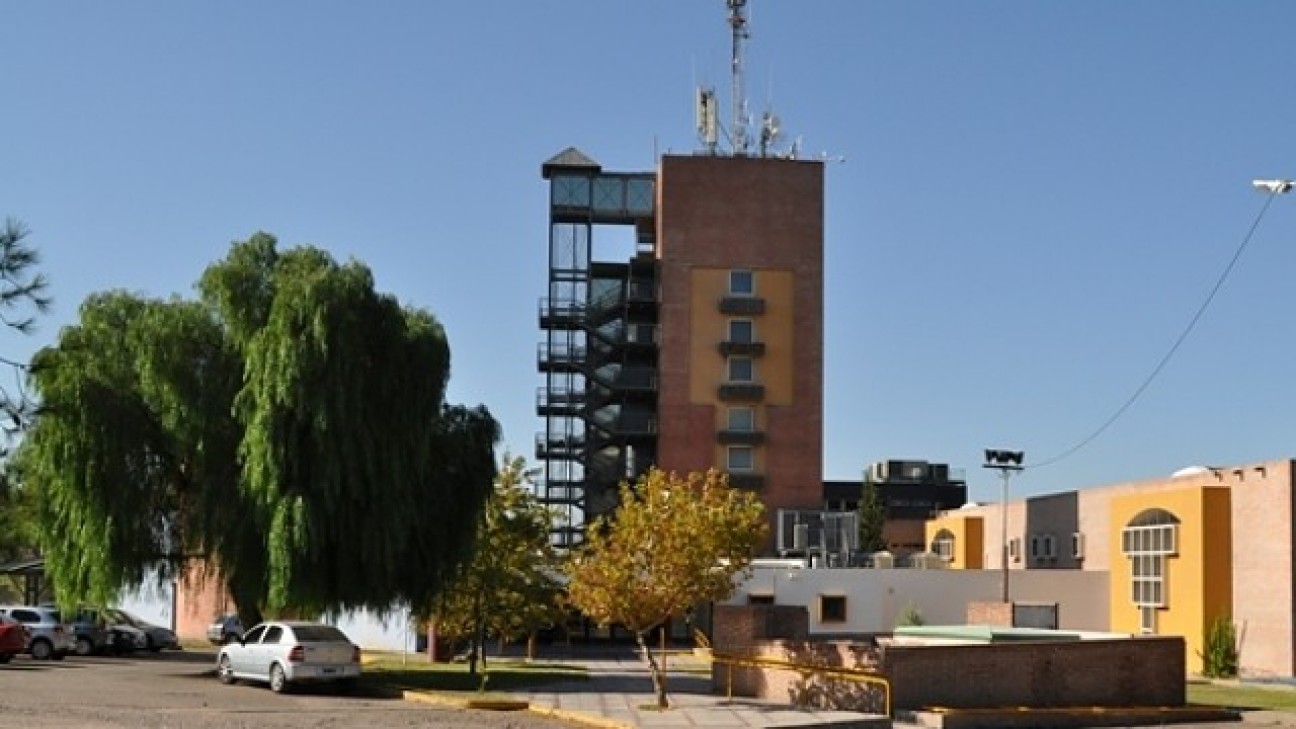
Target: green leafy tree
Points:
(872, 518)
(23, 294)
(510, 588)
(671, 544)
(288, 429)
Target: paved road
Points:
(179, 690)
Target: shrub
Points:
(1220, 659)
(910, 617)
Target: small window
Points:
(741, 458)
(273, 634)
(742, 282)
(1077, 546)
(1036, 547)
(832, 608)
(760, 599)
(1050, 547)
(1014, 549)
(742, 419)
(741, 369)
(742, 331)
(943, 545)
(255, 635)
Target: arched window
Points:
(943, 545)
(1147, 540)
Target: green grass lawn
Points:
(502, 676)
(1241, 696)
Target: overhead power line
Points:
(1192, 323)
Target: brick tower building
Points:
(703, 350)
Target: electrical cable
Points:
(1138, 392)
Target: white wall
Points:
(876, 598)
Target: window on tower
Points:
(742, 282)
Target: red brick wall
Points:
(727, 212)
(1142, 671)
(738, 628)
(198, 600)
(990, 613)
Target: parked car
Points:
(284, 653)
(13, 638)
(154, 637)
(49, 637)
(90, 633)
(225, 629)
(99, 632)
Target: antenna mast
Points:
(738, 23)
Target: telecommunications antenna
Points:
(738, 24)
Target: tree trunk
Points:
(476, 636)
(659, 685)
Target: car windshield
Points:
(122, 616)
(319, 634)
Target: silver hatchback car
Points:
(289, 652)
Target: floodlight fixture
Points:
(1005, 462)
(1274, 187)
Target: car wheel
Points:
(84, 646)
(41, 649)
(224, 671)
(278, 681)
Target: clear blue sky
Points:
(1035, 197)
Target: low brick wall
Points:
(1143, 671)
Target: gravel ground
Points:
(179, 689)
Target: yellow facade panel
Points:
(1195, 580)
(708, 327)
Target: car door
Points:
(242, 655)
(267, 650)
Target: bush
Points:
(910, 617)
(1220, 659)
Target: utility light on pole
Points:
(1005, 462)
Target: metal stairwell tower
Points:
(599, 354)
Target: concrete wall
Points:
(876, 598)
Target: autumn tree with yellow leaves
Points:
(673, 543)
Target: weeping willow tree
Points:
(288, 428)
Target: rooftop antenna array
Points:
(739, 134)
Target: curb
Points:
(429, 697)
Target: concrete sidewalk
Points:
(619, 693)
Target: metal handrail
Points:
(845, 674)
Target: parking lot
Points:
(179, 689)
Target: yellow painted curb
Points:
(579, 717)
(428, 697)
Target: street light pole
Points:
(1005, 462)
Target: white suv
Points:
(50, 637)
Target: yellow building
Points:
(958, 537)
(1179, 552)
